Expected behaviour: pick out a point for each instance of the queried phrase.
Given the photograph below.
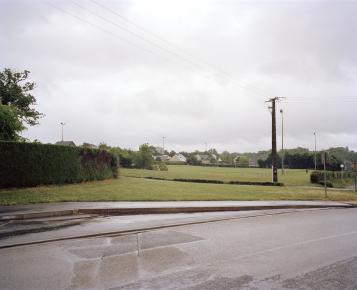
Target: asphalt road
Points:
(308, 249)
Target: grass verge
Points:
(291, 177)
(140, 189)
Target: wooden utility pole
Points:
(273, 139)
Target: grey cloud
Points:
(108, 90)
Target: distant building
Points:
(164, 158)
(66, 143)
(88, 145)
(178, 158)
(203, 158)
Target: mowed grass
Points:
(139, 189)
(291, 176)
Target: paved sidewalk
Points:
(122, 208)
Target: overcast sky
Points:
(130, 72)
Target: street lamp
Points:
(282, 141)
(62, 124)
(163, 144)
(315, 151)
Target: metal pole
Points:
(62, 124)
(315, 151)
(282, 142)
(325, 177)
(163, 144)
(355, 180)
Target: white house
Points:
(178, 158)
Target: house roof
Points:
(66, 143)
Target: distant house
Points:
(88, 145)
(203, 158)
(178, 158)
(206, 159)
(66, 143)
(164, 158)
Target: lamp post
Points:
(163, 144)
(62, 124)
(315, 151)
(282, 141)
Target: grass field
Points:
(139, 189)
(291, 177)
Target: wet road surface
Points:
(307, 249)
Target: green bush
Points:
(31, 164)
(332, 177)
(155, 167)
(162, 166)
(318, 176)
(314, 177)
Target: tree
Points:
(15, 93)
(144, 158)
(242, 161)
(192, 159)
(10, 125)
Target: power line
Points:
(131, 32)
(100, 28)
(194, 63)
(172, 45)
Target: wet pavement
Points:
(47, 229)
(305, 249)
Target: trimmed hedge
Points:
(31, 164)
(332, 177)
(199, 180)
(263, 183)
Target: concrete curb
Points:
(160, 210)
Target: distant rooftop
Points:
(66, 143)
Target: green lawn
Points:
(291, 177)
(135, 189)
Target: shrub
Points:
(155, 167)
(31, 164)
(162, 166)
(314, 177)
(144, 159)
(332, 177)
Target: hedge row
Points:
(199, 180)
(318, 177)
(266, 183)
(263, 183)
(31, 164)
